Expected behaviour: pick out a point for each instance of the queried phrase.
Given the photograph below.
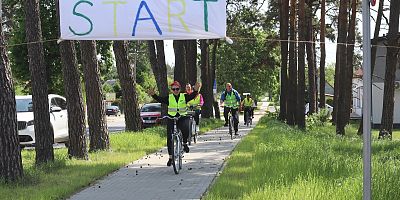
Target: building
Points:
(378, 78)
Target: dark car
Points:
(112, 110)
(150, 114)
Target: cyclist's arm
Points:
(160, 99)
(189, 97)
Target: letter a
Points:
(143, 3)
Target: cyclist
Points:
(247, 104)
(231, 98)
(195, 103)
(176, 102)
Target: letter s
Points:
(83, 16)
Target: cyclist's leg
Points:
(183, 125)
(170, 131)
(235, 119)
(226, 111)
(197, 116)
(246, 110)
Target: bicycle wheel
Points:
(176, 146)
(194, 131)
(230, 124)
(190, 131)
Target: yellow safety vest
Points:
(248, 102)
(195, 102)
(231, 101)
(177, 107)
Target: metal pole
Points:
(366, 101)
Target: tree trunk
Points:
(191, 61)
(310, 58)
(44, 135)
(292, 84)
(373, 49)
(127, 76)
(323, 57)
(349, 70)
(10, 153)
(341, 60)
(159, 67)
(73, 93)
(284, 24)
(98, 133)
(180, 73)
(206, 91)
(390, 74)
(301, 70)
(213, 70)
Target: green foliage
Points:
(319, 118)
(19, 53)
(276, 161)
(108, 69)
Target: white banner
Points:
(142, 19)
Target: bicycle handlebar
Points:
(173, 118)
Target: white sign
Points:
(142, 19)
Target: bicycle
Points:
(177, 145)
(230, 123)
(192, 126)
(248, 118)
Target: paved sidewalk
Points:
(150, 178)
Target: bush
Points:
(318, 119)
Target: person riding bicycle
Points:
(231, 98)
(177, 103)
(247, 104)
(195, 103)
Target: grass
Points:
(210, 124)
(276, 161)
(65, 176)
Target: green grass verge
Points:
(276, 161)
(210, 124)
(65, 176)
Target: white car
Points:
(327, 106)
(58, 119)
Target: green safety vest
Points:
(177, 107)
(248, 102)
(231, 101)
(195, 103)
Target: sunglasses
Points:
(175, 89)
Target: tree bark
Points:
(292, 83)
(191, 61)
(159, 67)
(44, 135)
(77, 147)
(73, 92)
(127, 76)
(213, 71)
(284, 24)
(300, 118)
(349, 69)
(341, 59)
(98, 133)
(206, 91)
(373, 49)
(310, 58)
(390, 73)
(323, 57)
(10, 153)
(180, 73)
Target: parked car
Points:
(58, 119)
(327, 106)
(113, 110)
(150, 114)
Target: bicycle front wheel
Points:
(176, 156)
(230, 121)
